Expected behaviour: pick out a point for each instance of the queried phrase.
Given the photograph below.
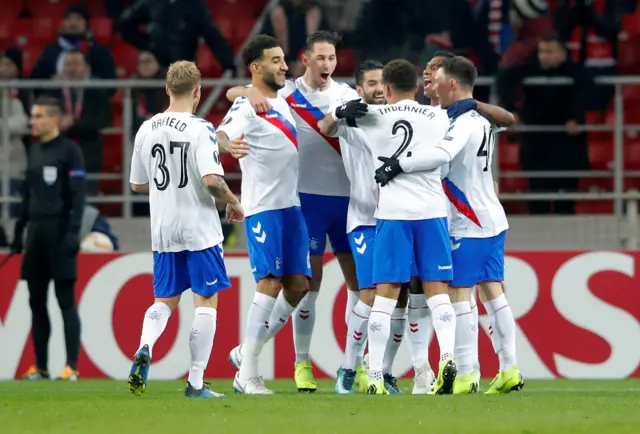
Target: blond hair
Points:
(182, 77)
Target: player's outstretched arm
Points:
(328, 125)
(496, 115)
(255, 97)
(238, 147)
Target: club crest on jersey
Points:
(49, 174)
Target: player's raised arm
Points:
(496, 115)
(255, 97)
(348, 111)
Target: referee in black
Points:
(52, 207)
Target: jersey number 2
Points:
(485, 149)
(160, 153)
(407, 130)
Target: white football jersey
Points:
(172, 152)
(476, 209)
(398, 130)
(322, 171)
(270, 171)
(360, 168)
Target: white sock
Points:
(356, 334)
(201, 337)
(282, 310)
(496, 341)
(256, 334)
(360, 358)
(420, 329)
(398, 326)
(444, 323)
(474, 326)
(303, 322)
(379, 332)
(154, 323)
(353, 297)
(505, 326)
(464, 338)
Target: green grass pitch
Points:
(103, 406)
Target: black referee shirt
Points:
(54, 184)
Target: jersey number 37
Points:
(160, 154)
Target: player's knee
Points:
(415, 286)
(367, 296)
(490, 290)
(202, 301)
(403, 297)
(434, 288)
(295, 287)
(458, 295)
(270, 286)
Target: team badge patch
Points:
(50, 174)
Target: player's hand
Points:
(238, 147)
(389, 170)
(351, 110)
(234, 213)
(461, 106)
(258, 101)
(572, 127)
(71, 243)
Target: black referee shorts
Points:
(45, 256)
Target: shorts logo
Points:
(361, 245)
(278, 263)
(211, 283)
(261, 235)
(455, 243)
(445, 267)
(314, 244)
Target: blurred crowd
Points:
(509, 39)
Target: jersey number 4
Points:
(158, 152)
(485, 149)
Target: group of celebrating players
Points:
(403, 191)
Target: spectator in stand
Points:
(290, 22)
(148, 101)
(593, 27)
(173, 30)
(75, 35)
(550, 105)
(342, 16)
(13, 159)
(86, 112)
(11, 62)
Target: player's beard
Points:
(371, 99)
(270, 81)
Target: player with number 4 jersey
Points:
(478, 226)
(176, 160)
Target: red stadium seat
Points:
(53, 9)
(600, 154)
(207, 63)
(242, 29)
(594, 207)
(96, 8)
(30, 55)
(126, 57)
(347, 63)
(33, 30)
(112, 145)
(226, 26)
(632, 154)
(10, 10)
(631, 24)
(508, 156)
(102, 28)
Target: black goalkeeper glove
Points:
(351, 110)
(389, 170)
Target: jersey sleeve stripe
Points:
(311, 115)
(460, 201)
(281, 123)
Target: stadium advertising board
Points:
(578, 316)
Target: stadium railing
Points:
(623, 200)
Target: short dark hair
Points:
(553, 36)
(321, 37)
(254, 50)
(366, 66)
(462, 69)
(447, 54)
(401, 75)
(53, 105)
